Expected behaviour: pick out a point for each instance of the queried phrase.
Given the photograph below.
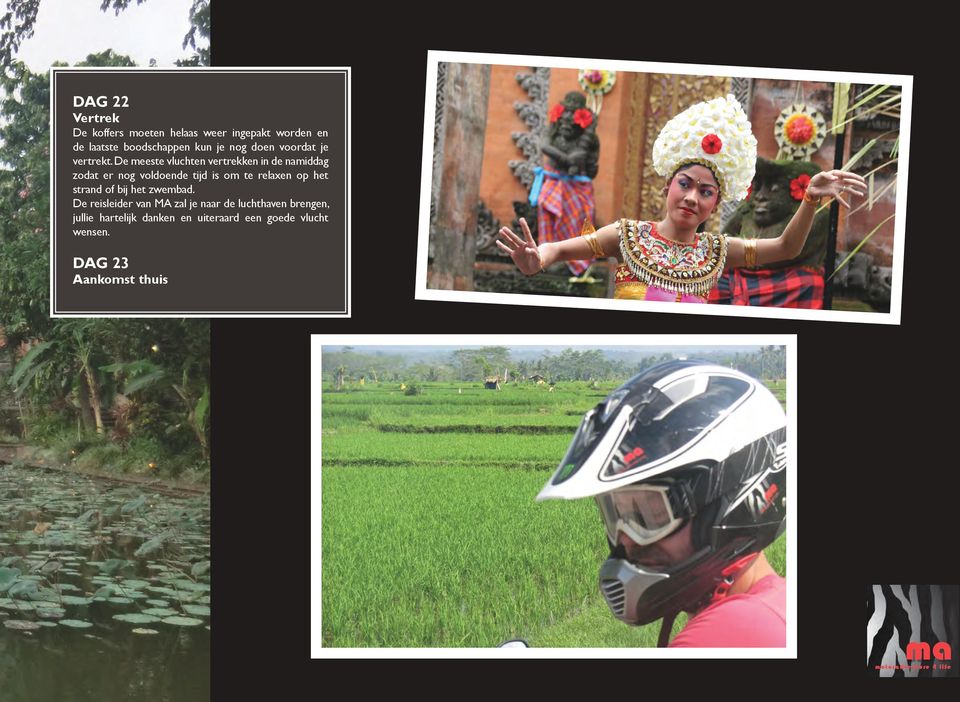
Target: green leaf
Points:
(868, 95)
(200, 412)
(143, 381)
(841, 98)
(23, 589)
(28, 360)
(8, 576)
(860, 245)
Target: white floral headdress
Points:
(716, 134)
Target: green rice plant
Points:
(371, 448)
(460, 557)
(449, 556)
(431, 537)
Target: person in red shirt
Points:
(687, 463)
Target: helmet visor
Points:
(642, 512)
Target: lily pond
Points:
(104, 590)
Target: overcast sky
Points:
(69, 30)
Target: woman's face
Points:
(692, 196)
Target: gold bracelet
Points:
(750, 252)
(594, 244)
(807, 198)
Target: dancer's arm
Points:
(789, 244)
(531, 258)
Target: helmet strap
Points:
(666, 626)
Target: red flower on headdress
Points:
(711, 144)
(583, 117)
(749, 191)
(798, 186)
(555, 112)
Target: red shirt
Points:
(756, 618)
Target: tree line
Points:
(123, 382)
(569, 364)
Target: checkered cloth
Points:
(799, 287)
(562, 205)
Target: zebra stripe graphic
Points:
(901, 615)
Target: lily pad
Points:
(183, 621)
(161, 612)
(157, 603)
(51, 613)
(136, 618)
(21, 625)
(23, 589)
(74, 600)
(135, 584)
(119, 600)
(197, 610)
(139, 630)
(8, 576)
(75, 623)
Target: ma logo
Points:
(918, 650)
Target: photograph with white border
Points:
(433, 458)
(569, 145)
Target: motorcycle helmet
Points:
(683, 442)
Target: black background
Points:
(877, 416)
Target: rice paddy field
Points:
(431, 535)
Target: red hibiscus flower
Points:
(798, 186)
(711, 144)
(583, 117)
(555, 112)
(749, 191)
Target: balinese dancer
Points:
(707, 152)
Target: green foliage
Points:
(17, 25)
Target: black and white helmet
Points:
(682, 441)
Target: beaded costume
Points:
(656, 268)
